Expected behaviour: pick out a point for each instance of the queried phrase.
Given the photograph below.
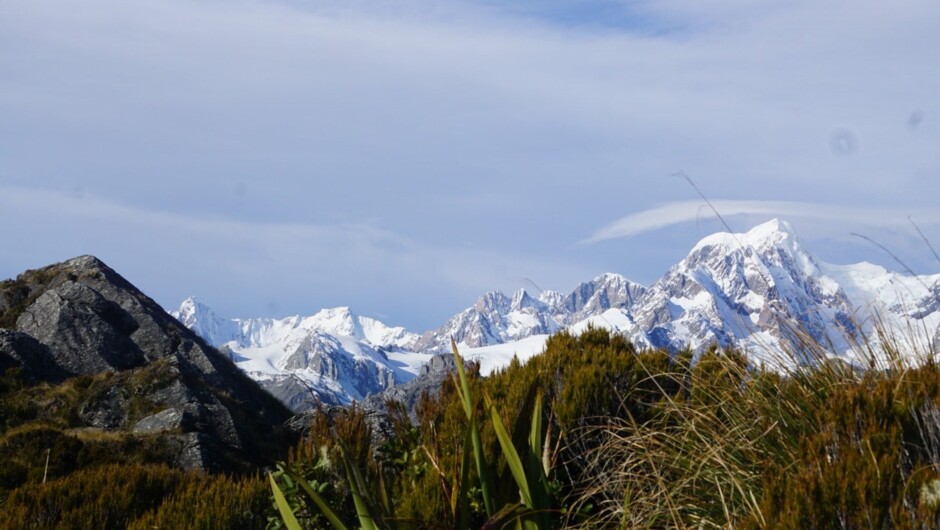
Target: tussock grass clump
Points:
(823, 446)
(697, 459)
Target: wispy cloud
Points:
(675, 213)
(260, 268)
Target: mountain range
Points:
(759, 291)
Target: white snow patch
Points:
(498, 356)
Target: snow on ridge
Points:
(770, 233)
(733, 289)
(496, 356)
(340, 355)
(873, 283)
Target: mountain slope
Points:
(763, 292)
(333, 357)
(607, 291)
(498, 319)
(736, 287)
(148, 374)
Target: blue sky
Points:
(276, 157)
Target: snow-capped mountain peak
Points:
(724, 288)
(336, 321)
(493, 319)
(521, 300)
(496, 318)
(191, 310)
(609, 290)
(341, 355)
(492, 302)
(342, 321)
(764, 235)
(553, 299)
(205, 322)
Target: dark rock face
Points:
(298, 395)
(85, 332)
(21, 350)
(82, 318)
(430, 379)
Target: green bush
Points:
(873, 460)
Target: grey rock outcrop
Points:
(21, 350)
(166, 420)
(430, 379)
(81, 318)
(85, 332)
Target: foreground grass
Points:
(643, 439)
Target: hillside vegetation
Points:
(58, 473)
(639, 439)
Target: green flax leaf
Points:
(287, 515)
